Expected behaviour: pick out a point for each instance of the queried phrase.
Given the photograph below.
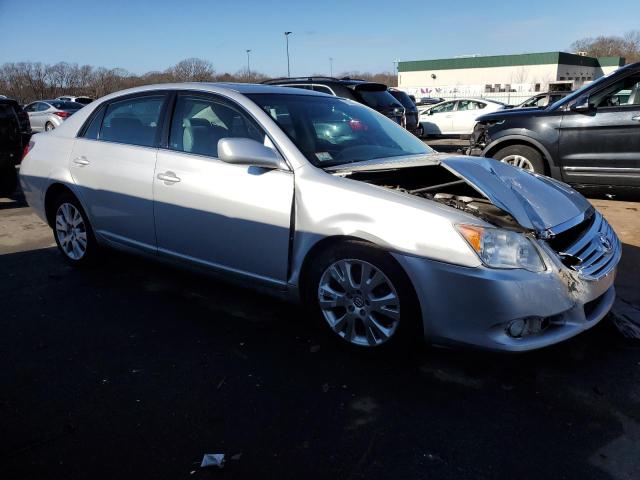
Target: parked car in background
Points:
(374, 95)
(14, 136)
(589, 138)
(45, 115)
(384, 239)
(455, 117)
(410, 111)
(542, 100)
(82, 99)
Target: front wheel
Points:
(363, 297)
(72, 231)
(522, 156)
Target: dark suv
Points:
(374, 95)
(15, 132)
(589, 138)
(410, 110)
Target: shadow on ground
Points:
(136, 369)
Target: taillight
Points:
(357, 125)
(62, 114)
(27, 149)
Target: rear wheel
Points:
(363, 297)
(49, 126)
(72, 231)
(522, 156)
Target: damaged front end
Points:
(578, 250)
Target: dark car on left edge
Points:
(15, 132)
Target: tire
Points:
(358, 319)
(73, 233)
(49, 126)
(522, 156)
(8, 180)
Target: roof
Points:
(526, 59)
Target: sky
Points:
(366, 36)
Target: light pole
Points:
(331, 66)
(286, 36)
(248, 66)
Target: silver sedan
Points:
(322, 200)
(45, 115)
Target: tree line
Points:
(29, 81)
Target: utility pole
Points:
(286, 36)
(331, 66)
(248, 66)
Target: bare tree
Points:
(193, 70)
(627, 46)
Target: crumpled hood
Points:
(534, 201)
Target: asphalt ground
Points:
(136, 370)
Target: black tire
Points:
(50, 126)
(531, 154)
(409, 331)
(8, 180)
(92, 250)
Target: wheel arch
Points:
(510, 140)
(54, 191)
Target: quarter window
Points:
(200, 123)
(133, 121)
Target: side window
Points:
(199, 123)
(445, 107)
(30, 108)
(133, 121)
(468, 105)
(625, 92)
(41, 106)
(91, 131)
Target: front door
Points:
(113, 163)
(208, 212)
(602, 145)
(439, 120)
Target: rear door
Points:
(464, 118)
(212, 213)
(113, 162)
(602, 145)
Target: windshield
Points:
(577, 93)
(333, 131)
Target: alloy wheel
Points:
(359, 302)
(519, 161)
(71, 231)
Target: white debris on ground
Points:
(212, 460)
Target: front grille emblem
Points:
(605, 244)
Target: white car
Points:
(455, 117)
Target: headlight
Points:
(498, 248)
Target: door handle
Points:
(168, 178)
(636, 118)
(82, 161)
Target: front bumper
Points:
(474, 306)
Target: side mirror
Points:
(582, 105)
(246, 151)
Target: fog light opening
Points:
(523, 327)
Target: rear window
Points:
(84, 100)
(61, 105)
(403, 98)
(376, 99)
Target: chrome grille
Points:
(596, 252)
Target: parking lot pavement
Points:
(135, 370)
